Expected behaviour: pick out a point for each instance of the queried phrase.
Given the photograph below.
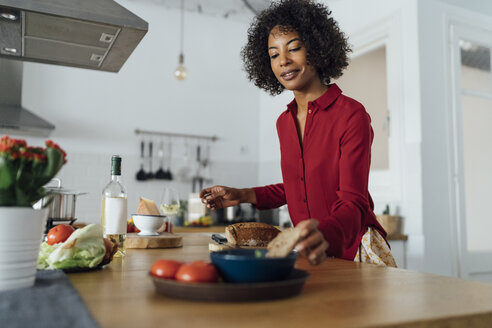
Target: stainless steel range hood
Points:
(94, 34)
(14, 119)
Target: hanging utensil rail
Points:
(178, 135)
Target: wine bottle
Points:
(114, 208)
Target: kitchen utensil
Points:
(184, 171)
(251, 265)
(197, 182)
(169, 175)
(219, 238)
(198, 179)
(62, 206)
(198, 157)
(164, 240)
(150, 174)
(205, 162)
(161, 174)
(232, 292)
(141, 175)
(148, 224)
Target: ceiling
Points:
(240, 10)
(230, 9)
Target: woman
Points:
(325, 137)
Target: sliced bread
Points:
(284, 243)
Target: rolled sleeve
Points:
(271, 196)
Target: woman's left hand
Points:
(313, 244)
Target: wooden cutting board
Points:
(164, 240)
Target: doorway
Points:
(471, 50)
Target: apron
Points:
(374, 249)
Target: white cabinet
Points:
(398, 249)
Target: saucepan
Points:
(60, 202)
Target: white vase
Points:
(21, 233)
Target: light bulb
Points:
(180, 73)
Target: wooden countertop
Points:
(338, 294)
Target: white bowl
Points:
(148, 224)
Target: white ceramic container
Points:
(148, 224)
(20, 239)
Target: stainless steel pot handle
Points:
(58, 180)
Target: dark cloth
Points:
(326, 178)
(51, 302)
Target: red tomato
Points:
(59, 234)
(165, 268)
(130, 227)
(197, 271)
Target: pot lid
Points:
(60, 190)
(63, 191)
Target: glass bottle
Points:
(114, 208)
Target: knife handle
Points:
(219, 238)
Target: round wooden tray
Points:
(232, 292)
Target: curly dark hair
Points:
(326, 46)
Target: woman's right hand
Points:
(220, 196)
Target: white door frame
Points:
(476, 262)
(386, 184)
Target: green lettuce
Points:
(83, 249)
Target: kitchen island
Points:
(338, 294)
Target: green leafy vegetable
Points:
(83, 249)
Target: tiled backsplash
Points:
(90, 172)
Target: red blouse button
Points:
(310, 111)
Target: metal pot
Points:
(62, 208)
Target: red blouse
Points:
(327, 178)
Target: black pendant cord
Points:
(182, 29)
(250, 7)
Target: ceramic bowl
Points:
(148, 224)
(251, 265)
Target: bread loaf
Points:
(284, 243)
(147, 207)
(250, 234)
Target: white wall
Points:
(439, 202)
(96, 113)
(365, 79)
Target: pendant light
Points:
(180, 73)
